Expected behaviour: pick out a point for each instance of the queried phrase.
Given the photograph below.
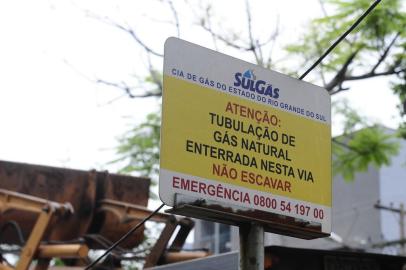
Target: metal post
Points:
(402, 228)
(216, 238)
(251, 247)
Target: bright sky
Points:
(52, 113)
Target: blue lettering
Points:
(276, 93)
(268, 91)
(245, 83)
(260, 86)
(237, 79)
(253, 85)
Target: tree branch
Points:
(175, 16)
(339, 89)
(127, 89)
(156, 77)
(223, 39)
(126, 29)
(336, 141)
(385, 53)
(253, 45)
(340, 75)
(208, 21)
(132, 33)
(391, 71)
(273, 38)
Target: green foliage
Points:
(367, 43)
(386, 19)
(58, 262)
(402, 130)
(356, 150)
(370, 146)
(399, 88)
(139, 147)
(352, 120)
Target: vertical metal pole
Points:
(251, 247)
(402, 228)
(216, 238)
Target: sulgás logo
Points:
(248, 81)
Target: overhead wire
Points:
(125, 236)
(341, 38)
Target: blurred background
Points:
(81, 82)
